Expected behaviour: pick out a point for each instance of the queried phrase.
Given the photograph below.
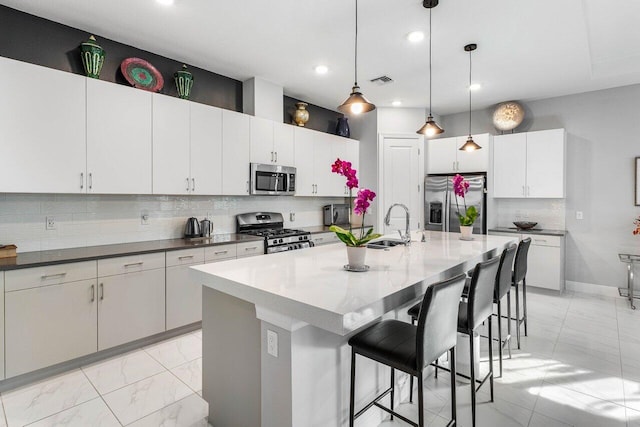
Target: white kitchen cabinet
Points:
(248, 249)
(444, 155)
(220, 252)
(187, 147)
(236, 142)
(119, 130)
(530, 164)
(304, 163)
(46, 325)
(545, 260)
(131, 305)
(184, 296)
(283, 144)
(42, 129)
(327, 238)
(271, 142)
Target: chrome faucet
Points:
(406, 238)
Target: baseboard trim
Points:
(592, 288)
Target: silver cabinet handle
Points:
(49, 276)
(220, 252)
(528, 191)
(93, 293)
(133, 264)
(247, 187)
(523, 193)
(186, 257)
(193, 186)
(101, 291)
(252, 248)
(319, 239)
(81, 180)
(540, 240)
(453, 166)
(457, 165)
(90, 181)
(272, 157)
(276, 157)
(188, 187)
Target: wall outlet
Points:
(51, 223)
(579, 215)
(292, 216)
(144, 218)
(272, 343)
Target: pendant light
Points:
(356, 103)
(470, 145)
(430, 128)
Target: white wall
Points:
(602, 142)
(400, 120)
(87, 220)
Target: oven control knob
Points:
(280, 241)
(305, 237)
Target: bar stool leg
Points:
(413, 322)
(352, 391)
(473, 379)
(393, 381)
(509, 322)
(500, 352)
(524, 304)
(420, 400)
(517, 317)
(452, 363)
(491, 356)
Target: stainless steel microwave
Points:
(273, 180)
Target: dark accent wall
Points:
(320, 119)
(39, 41)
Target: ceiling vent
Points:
(382, 80)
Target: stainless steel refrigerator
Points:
(440, 202)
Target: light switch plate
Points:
(272, 343)
(51, 223)
(579, 215)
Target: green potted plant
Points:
(460, 188)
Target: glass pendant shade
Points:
(356, 103)
(430, 128)
(470, 145)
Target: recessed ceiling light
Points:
(475, 86)
(322, 69)
(165, 2)
(415, 36)
(396, 103)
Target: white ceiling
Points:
(526, 49)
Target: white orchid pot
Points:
(356, 256)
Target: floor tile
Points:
(188, 412)
(34, 402)
(177, 351)
(117, 372)
(190, 373)
(140, 399)
(633, 418)
(94, 413)
(198, 334)
(539, 420)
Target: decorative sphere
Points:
(508, 115)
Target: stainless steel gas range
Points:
(270, 226)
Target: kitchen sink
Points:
(384, 244)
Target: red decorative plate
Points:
(139, 73)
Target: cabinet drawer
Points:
(220, 252)
(538, 240)
(184, 257)
(130, 264)
(320, 239)
(16, 280)
(250, 249)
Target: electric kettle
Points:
(207, 227)
(192, 229)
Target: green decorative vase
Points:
(92, 57)
(184, 82)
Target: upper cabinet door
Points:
(236, 141)
(118, 139)
(42, 129)
(328, 184)
(262, 140)
(546, 163)
(170, 145)
(441, 157)
(473, 161)
(283, 144)
(206, 149)
(509, 165)
(305, 175)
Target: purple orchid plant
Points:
(360, 206)
(460, 188)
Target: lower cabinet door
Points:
(544, 267)
(49, 325)
(130, 306)
(184, 297)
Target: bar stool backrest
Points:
(438, 320)
(480, 301)
(503, 278)
(520, 265)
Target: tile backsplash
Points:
(88, 220)
(548, 213)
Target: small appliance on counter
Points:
(192, 228)
(336, 214)
(207, 227)
(8, 251)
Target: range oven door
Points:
(272, 179)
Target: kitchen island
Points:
(275, 327)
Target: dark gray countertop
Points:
(543, 232)
(89, 253)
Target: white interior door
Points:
(402, 169)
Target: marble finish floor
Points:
(579, 366)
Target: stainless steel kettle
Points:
(192, 229)
(207, 227)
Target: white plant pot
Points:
(466, 231)
(356, 256)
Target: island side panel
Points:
(231, 381)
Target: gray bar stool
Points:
(411, 348)
(502, 289)
(520, 276)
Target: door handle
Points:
(276, 157)
(186, 257)
(523, 193)
(272, 157)
(188, 188)
(133, 264)
(457, 165)
(528, 191)
(93, 293)
(101, 291)
(193, 186)
(81, 180)
(90, 181)
(453, 166)
(49, 276)
(220, 252)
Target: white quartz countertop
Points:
(311, 285)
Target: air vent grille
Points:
(382, 80)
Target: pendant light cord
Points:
(356, 49)
(469, 89)
(430, 90)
